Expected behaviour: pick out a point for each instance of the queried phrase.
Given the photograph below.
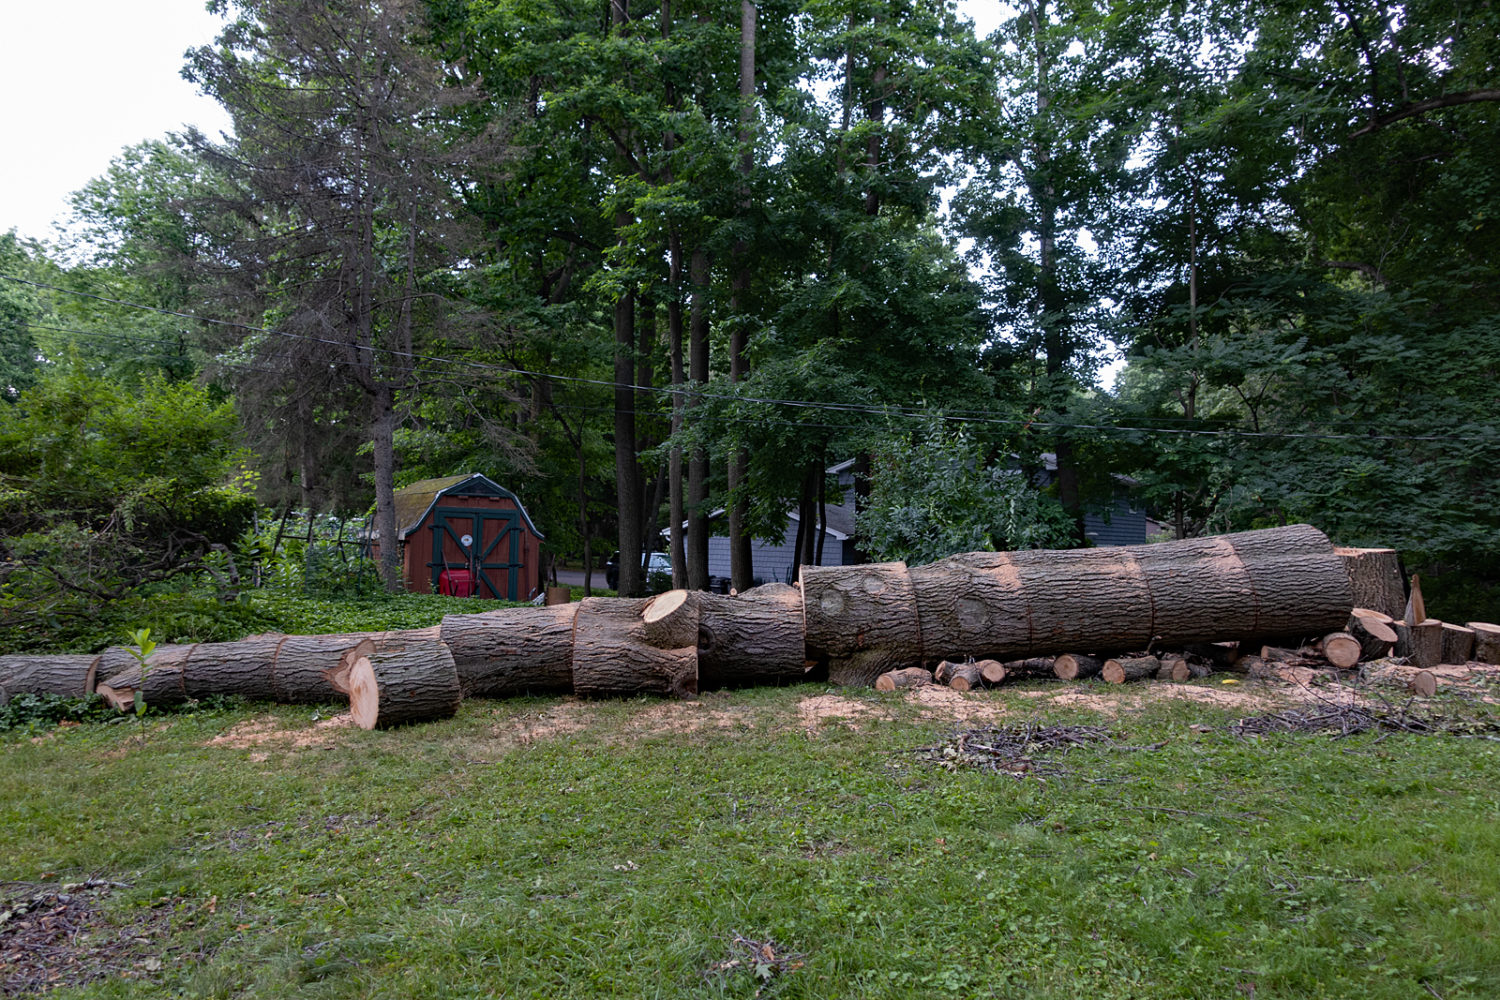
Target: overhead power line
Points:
(694, 392)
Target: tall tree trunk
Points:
(383, 412)
(627, 469)
(741, 566)
(679, 376)
(697, 498)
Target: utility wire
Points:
(973, 417)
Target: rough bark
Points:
(1342, 650)
(71, 676)
(1274, 582)
(616, 651)
(162, 685)
(1374, 636)
(906, 677)
(1076, 666)
(1486, 641)
(1375, 577)
(313, 669)
(512, 651)
(1032, 666)
(755, 638)
(1131, 668)
(415, 684)
(1422, 643)
(966, 677)
(1175, 669)
(863, 618)
(1458, 643)
(245, 667)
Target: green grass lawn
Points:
(552, 848)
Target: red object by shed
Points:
(467, 536)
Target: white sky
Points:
(82, 79)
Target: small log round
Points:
(614, 654)
(1458, 643)
(1076, 666)
(1376, 638)
(1175, 669)
(71, 676)
(416, 684)
(1486, 641)
(1034, 666)
(1422, 643)
(1342, 650)
(943, 672)
(1131, 668)
(993, 671)
(966, 677)
(907, 677)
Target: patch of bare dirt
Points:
(562, 719)
(941, 702)
(268, 732)
(688, 717)
(833, 709)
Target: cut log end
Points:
(416, 684)
(1076, 666)
(1342, 650)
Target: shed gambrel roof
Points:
(415, 502)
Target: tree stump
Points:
(415, 684)
(512, 651)
(863, 618)
(1133, 668)
(1076, 666)
(71, 676)
(1486, 641)
(627, 646)
(1458, 643)
(1375, 579)
(752, 639)
(1421, 644)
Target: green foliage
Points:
(33, 713)
(933, 495)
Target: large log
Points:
(513, 651)
(313, 669)
(71, 676)
(1012, 605)
(752, 639)
(1486, 641)
(246, 668)
(1375, 577)
(415, 684)
(162, 685)
(863, 619)
(627, 646)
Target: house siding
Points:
(1125, 526)
(772, 563)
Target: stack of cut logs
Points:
(1231, 602)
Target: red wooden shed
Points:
(467, 534)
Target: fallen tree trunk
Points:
(71, 676)
(512, 651)
(863, 619)
(1013, 605)
(1375, 579)
(246, 668)
(161, 686)
(415, 684)
(626, 646)
(755, 638)
(313, 669)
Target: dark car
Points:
(657, 566)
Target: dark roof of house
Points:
(415, 502)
